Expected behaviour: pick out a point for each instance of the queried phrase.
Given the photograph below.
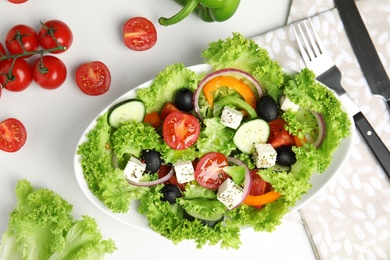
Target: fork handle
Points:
(377, 147)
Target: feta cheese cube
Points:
(134, 169)
(286, 104)
(230, 194)
(264, 155)
(231, 117)
(184, 171)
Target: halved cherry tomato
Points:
(61, 32)
(180, 130)
(168, 108)
(49, 72)
(19, 78)
(93, 78)
(17, 1)
(153, 119)
(21, 38)
(279, 136)
(139, 34)
(13, 135)
(208, 171)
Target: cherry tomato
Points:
(49, 72)
(180, 130)
(139, 34)
(153, 119)
(2, 50)
(17, 1)
(60, 31)
(208, 171)
(21, 38)
(164, 170)
(19, 78)
(93, 78)
(258, 185)
(168, 108)
(279, 136)
(12, 135)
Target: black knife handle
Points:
(377, 147)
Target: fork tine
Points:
(302, 49)
(319, 44)
(314, 43)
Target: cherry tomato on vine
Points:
(2, 50)
(208, 171)
(93, 78)
(139, 34)
(60, 31)
(21, 38)
(13, 135)
(180, 130)
(49, 72)
(19, 78)
(17, 1)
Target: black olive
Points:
(267, 108)
(183, 100)
(152, 160)
(170, 193)
(285, 156)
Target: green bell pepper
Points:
(207, 10)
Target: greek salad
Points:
(206, 154)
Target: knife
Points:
(364, 49)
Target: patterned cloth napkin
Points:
(350, 218)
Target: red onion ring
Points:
(321, 128)
(247, 181)
(223, 72)
(155, 182)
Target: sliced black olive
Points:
(183, 100)
(152, 160)
(170, 193)
(267, 108)
(285, 156)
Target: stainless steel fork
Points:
(318, 60)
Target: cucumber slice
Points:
(281, 168)
(126, 111)
(251, 132)
(210, 221)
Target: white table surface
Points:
(56, 119)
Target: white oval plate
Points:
(134, 219)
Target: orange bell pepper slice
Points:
(153, 119)
(263, 199)
(225, 81)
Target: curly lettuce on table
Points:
(41, 227)
(109, 185)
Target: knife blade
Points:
(364, 49)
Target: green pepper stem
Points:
(183, 13)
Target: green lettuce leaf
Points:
(41, 227)
(165, 85)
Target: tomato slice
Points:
(13, 135)
(93, 78)
(180, 130)
(208, 171)
(139, 34)
(279, 136)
